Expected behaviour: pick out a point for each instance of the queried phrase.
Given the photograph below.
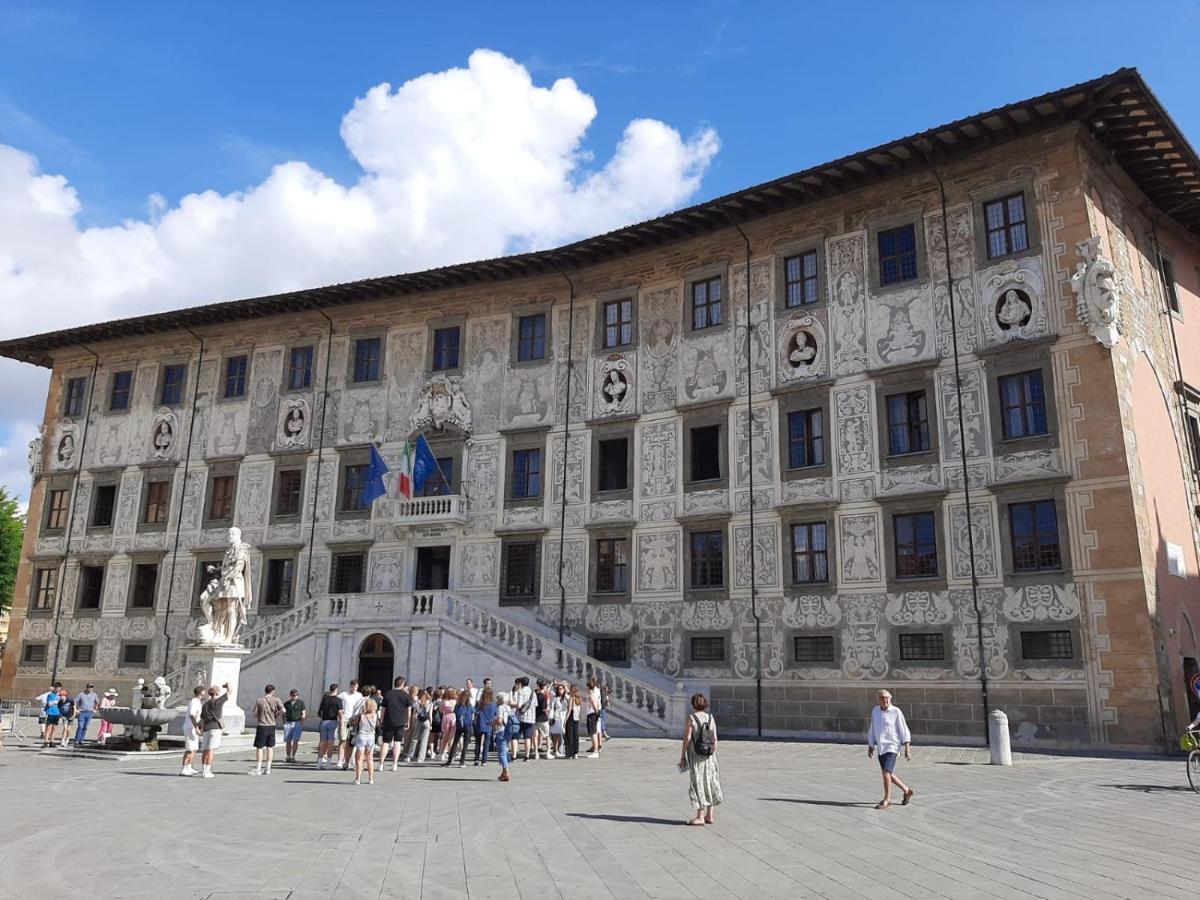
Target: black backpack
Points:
(704, 739)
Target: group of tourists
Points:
(59, 712)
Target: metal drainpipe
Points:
(312, 531)
(62, 567)
(562, 518)
(962, 454)
(187, 458)
(750, 473)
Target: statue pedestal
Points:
(220, 665)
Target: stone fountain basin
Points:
(147, 718)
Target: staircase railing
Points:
(277, 627)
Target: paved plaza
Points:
(797, 822)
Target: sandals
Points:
(883, 805)
(908, 795)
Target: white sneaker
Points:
(551, 755)
(208, 775)
(256, 771)
(267, 772)
(593, 755)
(186, 773)
(321, 764)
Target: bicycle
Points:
(1191, 742)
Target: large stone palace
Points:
(925, 417)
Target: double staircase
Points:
(642, 700)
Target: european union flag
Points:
(375, 472)
(425, 464)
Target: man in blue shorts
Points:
(329, 711)
(887, 734)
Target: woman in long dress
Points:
(704, 776)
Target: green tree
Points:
(12, 528)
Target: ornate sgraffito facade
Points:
(777, 489)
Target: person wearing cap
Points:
(267, 711)
(108, 701)
(293, 724)
(43, 702)
(85, 707)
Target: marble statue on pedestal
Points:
(226, 599)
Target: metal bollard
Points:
(998, 736)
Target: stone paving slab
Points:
(797, 822)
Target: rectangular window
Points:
(82, 654)
(810, 554)
(1046, 645)
(158, 499)
(520, 570)
(33, 653)
(145, 584)
(897, 255)
(908, 423)
(800, 279)
(708, 559)
(91, 587)
(916, 545)
(235, 376)
(613, 464)
(1034, 528)
(610, 649)
(1168, 277)
(811, 648)
(104, 505)
(706, 303)
(348, 570)
(300, 366)
(220, 498)
(1193, 428)
(45, 589)
(56, 508)
(1007, 230)
(612, 566)
(135, 654)
(531, 337)
(367, 356)
(708, 649)
(1022, 405)
(445, 348)
(618, 323)
(173, 379)
(122, 384)
(527, 473)
(923, 646)
(354, 488)
(806, 439)
(440, 482)
(287, 499)
(75, 392)
(706, 453)
(281, 577)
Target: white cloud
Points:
(464, 164)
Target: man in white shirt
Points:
(523, 703)
(191, 731)
(887, 734)
(351, 701)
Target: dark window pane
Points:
(235, 376)
(354, 488)
(300, 362)
(706, 453)
(445, 348)
(348, 573)
(527, 473)
(439, 483)
(367, 354)
(287, 501)
(1034, 529)
(220, 504)
(520, 571)
(708, 559)
(706, 303)
(158, 496)
(56, 508)
(618, 323)
(612, 566)
(800, 279)
(610, 649)
(810, 555)
(813, 647)
(173, 379)
(1023, 405)
(83, 654)
(122, 382)
(91, 587)
(1007, 231)
(1168, 277)
(908, 423)
(280, 581)
(897, 255)
(135, 654)
(45, 589)
(708, 649)
(531, 337)
(613, 463)
(33, 653)
(105, 503)
(1046, 645)
(806, 440)
(925, 646)
(145, 584)
(73, 404)
(916, 545)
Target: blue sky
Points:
(277, 162)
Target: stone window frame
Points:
(507, 540)
(157, 475)
(809, 515)
(225, 469)
(693, 526)
(109, 384)
(1014, 361)
(72, 663)
(433, 325)
(285, 377)
(908, 379)
(223, 375)
(800, 400)
(63, 483)
(610, 432)
(92, 563)
(357, 548)
(541, 307)
(32, 611)
(692, 662)
(716, 413)
(27, 646)
(450, 445)
(996, 191)
(109, 478)
(609, 532)
(630, 293)
(271, 554)
(1017, 656)
(85, 376)
(349, 456)
(916, 503)
(123, 663)
(703, 273)
(915, 217)
(625, 638)
(298, 463)
(1025, 492)
(790, 660)
(783, 252)
(161, 381)
(362, 334)
(529, 439)
(142, 559)
(946, 631)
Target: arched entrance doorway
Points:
(375, 662)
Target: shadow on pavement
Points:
(815, 802)
(1147, 788)
(648, 820)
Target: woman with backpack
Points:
(699, 760)
(421, 726)
(364, 741)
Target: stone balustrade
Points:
(442, 509)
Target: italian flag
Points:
(406, 471)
